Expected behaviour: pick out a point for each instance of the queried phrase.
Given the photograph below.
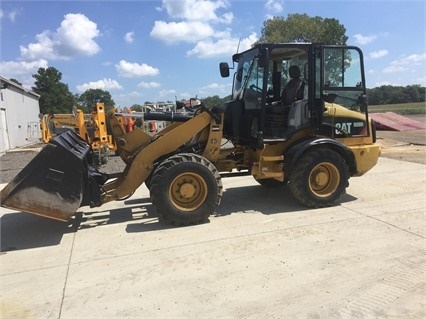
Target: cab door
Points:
(343, 90)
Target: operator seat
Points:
(293, 91)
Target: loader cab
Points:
(281, 89)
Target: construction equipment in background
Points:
(298, 117)
(90, 127)
(153, 126)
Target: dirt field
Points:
(406, 146)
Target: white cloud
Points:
(174, 32)
(11, 15)
(104, 84)
(197, 10)
(22, 70)
(148, 85)
(224, 46)
(364, 39)
(43, 48)
(74, 37)
(274, 7)
(167, 95)
(378, 54)
(131, 70)
(412, 62)
(129, 37)
(215, 89)
(421, 80)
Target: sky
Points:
(165, 50)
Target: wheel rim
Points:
(188, 191)
(324, 179)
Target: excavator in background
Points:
(90, 127)
(298, 117)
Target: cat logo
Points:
(349, 127)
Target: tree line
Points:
(388, 94)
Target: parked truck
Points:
(298, 116)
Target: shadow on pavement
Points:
(26, 231)
(267, 201)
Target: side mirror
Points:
(224, 69)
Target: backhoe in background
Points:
(90, 127)
(298, 117)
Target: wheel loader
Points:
(298, 116)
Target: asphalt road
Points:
(261, 256)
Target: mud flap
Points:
(57, 181)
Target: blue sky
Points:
(158, 50)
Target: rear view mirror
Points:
(224, 69)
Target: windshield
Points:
(249, 77)
(246, 64)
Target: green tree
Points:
(212, 101)
(302, 28)
(90, 97)
(136, 108)
(55, 96)
(388, 94)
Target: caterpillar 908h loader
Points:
(298, 117)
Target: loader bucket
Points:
(56, 182)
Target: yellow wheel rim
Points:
(324, 179)
(188, 191)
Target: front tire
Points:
(186, 189)
(320, 178)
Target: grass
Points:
(403, 108)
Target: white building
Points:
(19, 110)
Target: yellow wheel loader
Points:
(298, 116)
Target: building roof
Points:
(5, 83)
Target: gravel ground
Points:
(408, 146)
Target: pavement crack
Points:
(68, 270)
(390, 224)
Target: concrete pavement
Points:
(262, 256)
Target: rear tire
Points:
(320, 178)
(186, 189)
